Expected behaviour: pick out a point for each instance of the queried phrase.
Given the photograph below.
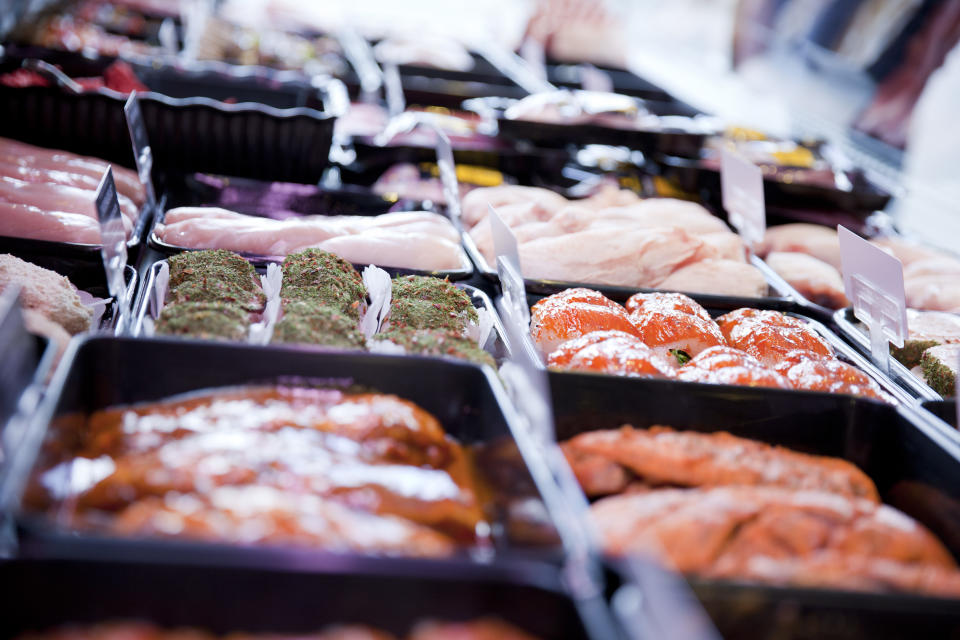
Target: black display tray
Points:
(624, 82)
(293, 599)
(944, 411)
(186, 133)
(718, 305)
(671, 140)
(864, 198)
(467, 400)
(528, 167)
(915, 467)
(271, 200)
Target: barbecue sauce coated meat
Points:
(365, 472)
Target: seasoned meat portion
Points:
(605, 461)
(735, 532)
(364, 471)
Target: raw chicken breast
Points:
(25, 221)
(814, 279)
(475, 204)
(813, 239)
(614, 256)
(401, 249)
(718, 277)
(56, 197)
(934, 292)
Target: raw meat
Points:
(718, 277)
(45, 292)
(814, 279)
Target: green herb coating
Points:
(188, 265)
(316, 323)
(218, 285)
(320, 276)
(940, 376)
(207, 320)
(433, 342)
(912, 351)
(422, 302)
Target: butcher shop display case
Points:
(322, 404)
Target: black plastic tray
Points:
(625, 82)
(943, 410)
(669, 141)
(256, 198)
(530, 167)
(718, 305)
(865, 197)
(849, 327)
(496, 344)
(392, 596)
(914, 466)
(188, 134)
(468, 400)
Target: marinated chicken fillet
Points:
(613, 352)
(367, 472)
(732, 532)
(661, 456)
(574, 313)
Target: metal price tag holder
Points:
(873, 281)
(142, 153)
(360, 55)
(408, 121)
(741, 183)
(113, 247)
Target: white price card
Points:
(741, 183)
(873, 281)
(113, 240)
(142, 153)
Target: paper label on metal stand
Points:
(592, 79)
(873, 281)
(142, 153)
(396, 101)
(113, 239)
(741, 183)
(447, 167)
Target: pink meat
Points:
(55, 197)
(25, 221)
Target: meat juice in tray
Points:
(658, 452)
(320, 475)
(281, 218)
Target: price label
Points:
(741, 183)
(142, 153)
(113, 240)
(873, 280)
(592, 79)
(447, 168)
(396, 101)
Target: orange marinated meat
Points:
(669, 332)
(316, 453)
(770, 335)
(613, 352)
(733, 532)
(662, 456)
(574, 313)
(640, 303)
(833, 376)
(726, 365)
